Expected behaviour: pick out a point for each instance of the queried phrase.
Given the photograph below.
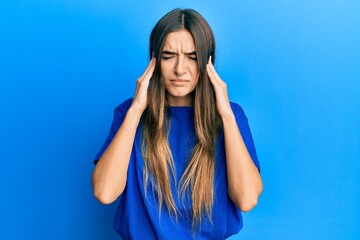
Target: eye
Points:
(166, 58)
(192, 57)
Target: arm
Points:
(244, 181)
(110, 173)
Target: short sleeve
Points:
(244, 129)
(119, 115)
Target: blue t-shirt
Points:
(137, 216)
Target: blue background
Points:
(294, 66)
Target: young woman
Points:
(179, 153)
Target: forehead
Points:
(179, 41)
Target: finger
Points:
(150, 71)
(143, 81)
(141, 78)
(212, 75)
(147, 69)
(213, 72)
(151, 65)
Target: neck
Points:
(180, 101)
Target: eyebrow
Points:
(174, 53)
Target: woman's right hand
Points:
(140, 97)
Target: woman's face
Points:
(179, 67)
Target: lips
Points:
(179, 80)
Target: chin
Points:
(179, 93)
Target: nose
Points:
(180, 66)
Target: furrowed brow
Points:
(191, 53)
(174, 53)
(169, 53)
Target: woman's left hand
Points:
(220, 88)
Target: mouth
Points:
(180, 80)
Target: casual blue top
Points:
(137, 216)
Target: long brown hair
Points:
(198, 177)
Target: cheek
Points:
(166, 67)
(195, 70)
(162, 69)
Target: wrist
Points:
(135, 111)
(228, 117)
